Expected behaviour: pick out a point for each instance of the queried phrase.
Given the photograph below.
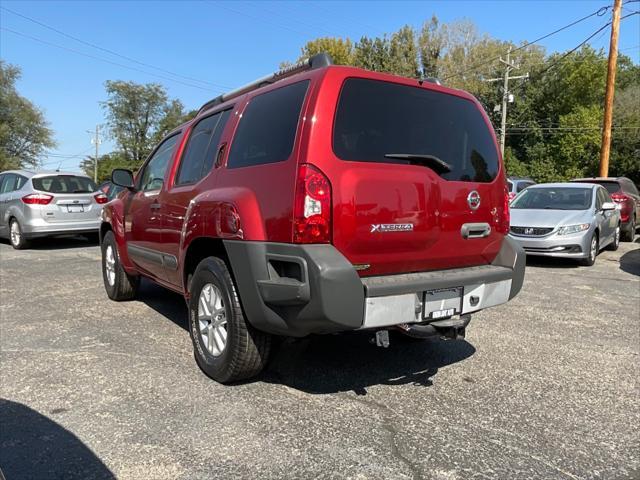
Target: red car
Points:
(319, 199)
(624, 192)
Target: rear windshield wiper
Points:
(430, 161)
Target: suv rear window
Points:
(268, 127)
(64, 184)
(375, 118)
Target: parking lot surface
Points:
(546, 386)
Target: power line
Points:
(93, 45)
(103, 59)
(601, 11)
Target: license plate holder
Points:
(75, 209)
(442, 303)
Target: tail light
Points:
(619, 197)
(101, 198)
(506, 213)
(512, 195)
(312, 210)
(37, 199)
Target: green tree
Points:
(372, 54)
(403, 53)
(138, 115)
(430, 45)
(341, 51)
(24, 134)
(106, 164)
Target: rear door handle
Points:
(475, 230)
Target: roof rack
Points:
(316, 61)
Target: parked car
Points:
(320, 199)
(565, 220)
(110, 189)
(47, 204)
(624, 192)
(516, 184)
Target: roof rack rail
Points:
(318, 60)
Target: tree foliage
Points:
(138, 116)
(24, 133)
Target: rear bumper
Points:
(41, 228)
(297, 290)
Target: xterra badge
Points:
(391, 227)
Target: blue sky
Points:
(226, 44)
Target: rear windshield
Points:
(64, 184)
(376, 118)
(552, 198)
(612, 187)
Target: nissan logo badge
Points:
(473, 199)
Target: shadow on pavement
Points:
(350, 362)
(165, 302)
(58, 243)
(551, 262)
(630, 262)
(34, 447)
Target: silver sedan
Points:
(565, 220)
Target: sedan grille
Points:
(531, 231)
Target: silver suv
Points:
(48, 204)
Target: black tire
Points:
(591, 259)
(246, 350)
(613, 246)
(20, 243)
(121, 286)
(630, 232)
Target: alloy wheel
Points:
(15, 233)
(594, 249)
(212, 319)
(110, 265)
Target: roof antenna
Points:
(59, 165)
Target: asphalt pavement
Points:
(546, 386)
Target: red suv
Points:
(624, 192)
(319, 199)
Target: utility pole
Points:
(605, 147)
(96, 141)
(506, 96)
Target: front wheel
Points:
(226, 347)
(118, 283)
(593, 251)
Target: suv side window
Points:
(267, 130)
(201, 148)
(601, 198)
(9, 184)
(152, 176)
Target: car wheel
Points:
(613, 246)
(630, 233)
(594, 248)
(16, 236)
(226, 347)
(118, 283)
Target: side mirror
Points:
(123, 178)
(608, 206)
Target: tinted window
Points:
(611, 187)
(375, 118)
(629, 187)
(510, 186)
(523, 185)
(554, 198)
(201, 148)
(153, 175)
(64, 184)
(268, 127)
(9, 183)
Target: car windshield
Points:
(64, 184)
(553, 198)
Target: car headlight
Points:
(568, 229)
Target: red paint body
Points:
(257, 203)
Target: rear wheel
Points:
(16, 236)
(630, 233)
(226, 347)
(593, 251)
(616, 239)
(118, 283)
